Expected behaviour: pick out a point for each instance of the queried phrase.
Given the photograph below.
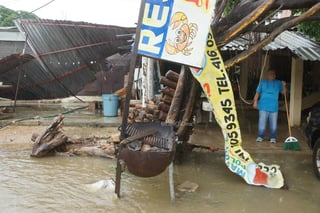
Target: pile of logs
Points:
(170, 82)
(157, 109)
(138, 113)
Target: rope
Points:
(240, 95)
(263, 66)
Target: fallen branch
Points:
(54, 141)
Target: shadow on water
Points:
(56, 184)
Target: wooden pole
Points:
(171, 119)
(128, 95)
(189, 107)
(16, 93)
(177, 98)
(296, 91)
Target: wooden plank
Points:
(296, 91)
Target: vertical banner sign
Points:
(176, 30)
(216, 84)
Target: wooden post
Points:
(17, 90)
(128, 95)
(296, 91)
(189, 107)
(171, 119)
(177, 98)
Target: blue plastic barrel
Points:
(110, 104)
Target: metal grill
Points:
(150, 163)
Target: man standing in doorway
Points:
(266, 101)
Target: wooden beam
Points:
(272, 36)
(296, 91)
(177, 98)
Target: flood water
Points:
(57, 184)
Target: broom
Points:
(291, 143)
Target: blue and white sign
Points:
(176, 30)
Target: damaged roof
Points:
(298, 43)
(66, 56)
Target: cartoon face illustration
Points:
(180, 35)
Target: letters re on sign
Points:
(176, 30)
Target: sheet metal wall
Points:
(67, 56)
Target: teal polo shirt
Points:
(269, 95)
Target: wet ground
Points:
(57, 184)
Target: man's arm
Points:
(255, 100)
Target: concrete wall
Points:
(11, 47)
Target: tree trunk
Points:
(54, 141)
(272, 36)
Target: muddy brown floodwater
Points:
(57, 184)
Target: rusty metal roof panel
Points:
(67, 56)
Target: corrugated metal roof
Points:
(236, 44)
(67, 56)
(299, 44)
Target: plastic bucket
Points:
(110, 104)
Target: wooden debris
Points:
(187, 186)
(54, 141)
(137, 113)
(52, 138)
(93, 151)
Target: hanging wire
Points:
(46, 4)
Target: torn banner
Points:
(176, 30)
(216, 84)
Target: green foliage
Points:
(7, 16)
(310, 28)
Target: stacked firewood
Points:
(170, 82)
(156, 109)
(139, 113)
